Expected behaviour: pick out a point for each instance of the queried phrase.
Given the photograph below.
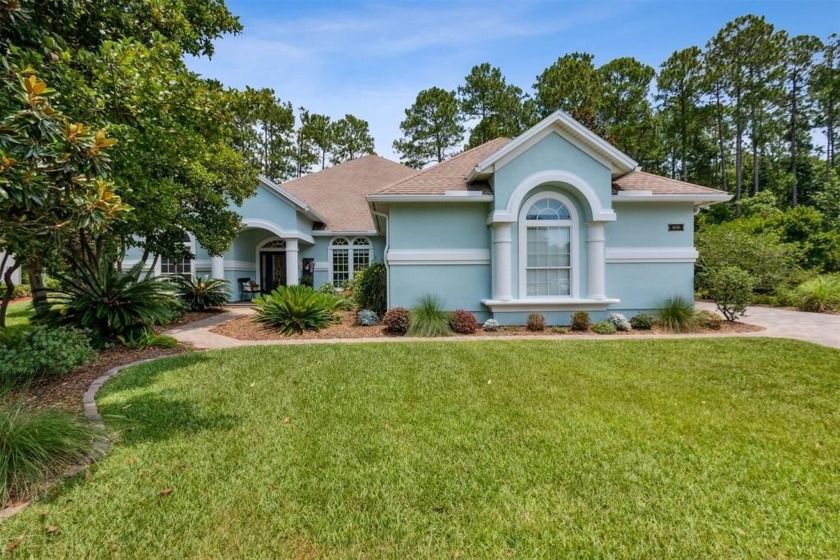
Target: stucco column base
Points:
(217, 268)
(596, 258)
(292, 262)
(502, 261)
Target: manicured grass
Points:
(520, 449)
(18, 315)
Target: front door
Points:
(272, 270)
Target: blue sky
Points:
(372, 58)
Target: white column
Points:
(502, 259)
(217, 267)
(596, 259)
(292, 262)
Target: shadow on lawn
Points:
(157, 416)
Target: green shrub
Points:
(37, 444)
(581, 321)
(19, 291)
(463, 322)
(112, 304)
(642, 321)
(327, 288)
(428, 318)
(148, 339)
(367, 318)
(731, 288)
(604, 327)
(200, 294)
(294, 309)
(743, 243)
(535, 322)
(371, 288)
(559, 330)
(397, 320)
(709, 320)
(42, 351)
(819, 294)
(676, 314)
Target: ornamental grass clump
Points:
(295, 309)
(463, 322)
(35, 445)
(429, 319)
(200, 294)
(676, 314)
(819, 294)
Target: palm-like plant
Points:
(200, 294)
(294, 309)
(113, 305)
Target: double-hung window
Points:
(548, 243)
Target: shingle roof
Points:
(338, 193)
(656, 184)
(449, 175)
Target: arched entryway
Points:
(273, 264)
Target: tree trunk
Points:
(39, 288)
(794, 189)
(755, 151)
(739, 166)
(724, 175)
(10, 291)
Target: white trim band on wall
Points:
(651, 255)
(403, 257)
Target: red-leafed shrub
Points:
(462, 322)
(397, 320)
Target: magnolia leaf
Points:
(165, 492)
(14, 544)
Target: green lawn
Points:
(18, 315)
(521, 449)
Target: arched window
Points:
(276, 244)
(178, 266)
(547, 242)
(347, 257)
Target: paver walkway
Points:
(819, 328)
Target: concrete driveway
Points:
(820, 328)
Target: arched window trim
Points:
(573, 223)
(359, 251)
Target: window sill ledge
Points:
(549, 304)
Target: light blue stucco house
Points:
(554, 221)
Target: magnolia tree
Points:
(54, 183)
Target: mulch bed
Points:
(246, 328)
(66, 391)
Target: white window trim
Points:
(191, 246)
(574, 259)
(351, 248)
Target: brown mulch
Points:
(246, 328)
(66, 391)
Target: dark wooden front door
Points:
(272, 270)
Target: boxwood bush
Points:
(463, 322)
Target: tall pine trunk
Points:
(724, 173)
(794, 189)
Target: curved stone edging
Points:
(100, 447)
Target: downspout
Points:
(385, 255)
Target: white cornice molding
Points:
(549, 304)
(651, 254)
(688, 198)
(404, 257)
(360, 233)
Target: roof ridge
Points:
(345, 163)
(437, 165)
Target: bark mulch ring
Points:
(246, 328)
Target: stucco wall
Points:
(646, 225)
